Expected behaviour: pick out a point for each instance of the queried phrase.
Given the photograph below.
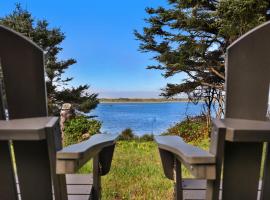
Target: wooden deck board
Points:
(79, 179)
(79, 187)
(78, 197)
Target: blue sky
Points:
(99, 35)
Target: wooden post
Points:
(67, 112)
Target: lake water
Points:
(143, 117)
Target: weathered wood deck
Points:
(80, 185)
(195, 189)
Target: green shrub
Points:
(147, 138)
(192, 129)
(127, 134)
(80, 128)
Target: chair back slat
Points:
(33, 168)
(23, 71)
(2, 112)
(7, 181)
(8, 189)
(248, 75)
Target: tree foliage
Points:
(191, 129)
(80, 128)
(191, 37)
(50, 39)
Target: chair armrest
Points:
(218, 124)
(27, 128)
(188, 153)
(242, 130)
(200, 163)
(72, 157)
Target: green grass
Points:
(136, 173)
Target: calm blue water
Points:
(143, 117)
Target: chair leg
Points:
(178, 181)
(96, 189)
(216, 148)
(211, 193)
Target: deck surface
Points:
(79, 187)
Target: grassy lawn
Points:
(136, 173)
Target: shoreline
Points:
(117, 102)
(138, 100)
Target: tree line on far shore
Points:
(143, 100)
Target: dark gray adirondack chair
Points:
(237, 140)
(30, 141)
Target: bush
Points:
(192, 129)
(80, 128)
(147, 138)
(127, 134)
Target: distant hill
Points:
(123, 100)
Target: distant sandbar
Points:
(137, 100)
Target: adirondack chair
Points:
(33, 163)
(235, 158)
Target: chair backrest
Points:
(247, 91)
(23, 71)
(248, 75)
(23, 83)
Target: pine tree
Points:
(191, 37)
(49, 39)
